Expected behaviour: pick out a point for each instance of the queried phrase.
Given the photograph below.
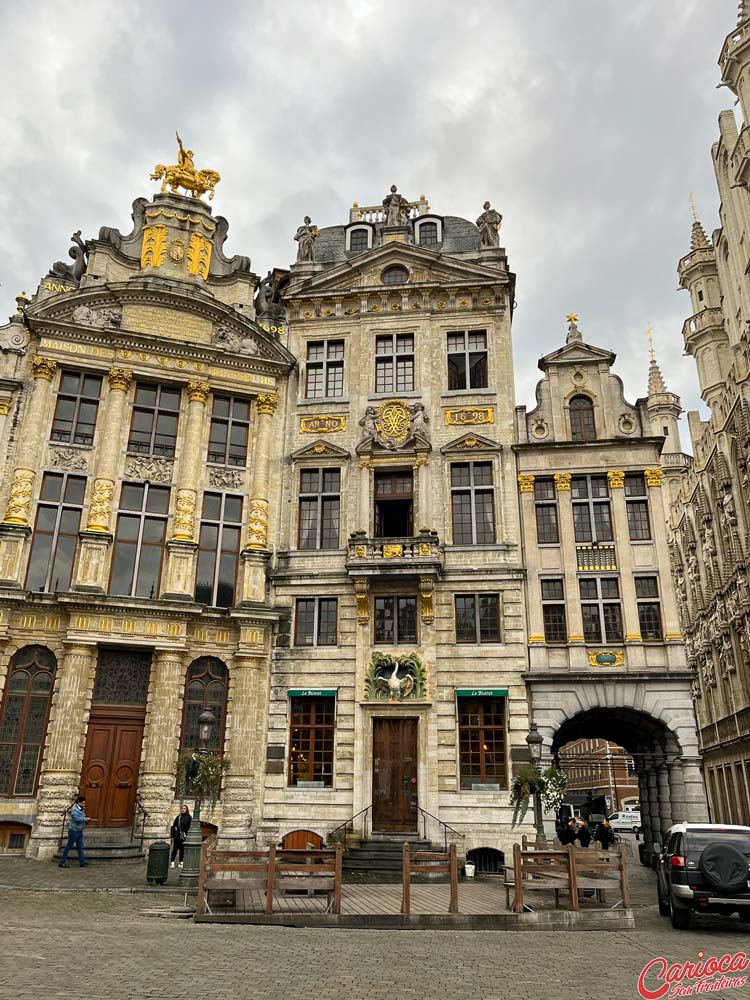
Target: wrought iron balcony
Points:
(416, 555)
(594, 558)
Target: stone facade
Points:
(709, 518)
(606, 653)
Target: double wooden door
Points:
(109, 778)
(394, 775)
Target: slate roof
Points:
(459, 235)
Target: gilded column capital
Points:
(120, 378)
(562, 482)
(198, 391)
(267, 402)
(616, 479)
(19, 497)
(653, 477)
(5, 405)
(526, 482)
(43, 368)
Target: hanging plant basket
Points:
(201, 774)
(550, 784)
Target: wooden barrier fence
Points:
(569, 869)
(432, 863)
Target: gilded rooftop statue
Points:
(185, 175)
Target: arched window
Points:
(205, 687)
(428, 234)
(23, 720)
(582, 426)
(359, 240)
(395, 275)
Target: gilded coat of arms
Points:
(393, 424)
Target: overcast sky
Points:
(587, 123)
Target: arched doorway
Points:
(302, 840)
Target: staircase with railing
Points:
(109, 843)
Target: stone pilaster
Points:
(528, 525)
(179, 578)
(66, 740)
(161, 740)
(695, 793)
(669, 610)
(97, 539)
(244, 739)
(569, 560)
(665, 800)
(257, 535)
(677, 792)
(15, 529)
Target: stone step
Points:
(109, 853)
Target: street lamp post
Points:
(535, 742)
(193, 841)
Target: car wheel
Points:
(744, 914)
(636, 829)
(680, 917)
(663, 906)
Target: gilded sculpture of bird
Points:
(397, 687)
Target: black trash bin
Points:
(157, 870)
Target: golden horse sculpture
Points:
(197, 182)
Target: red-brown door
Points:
(394, 775)
(109, 778)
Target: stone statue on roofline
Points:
(396, 208)
(305, 236)
(489, 223)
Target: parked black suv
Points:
(706, 868)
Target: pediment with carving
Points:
(471, 442)
(321, 449)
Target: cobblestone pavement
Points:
(64, 944)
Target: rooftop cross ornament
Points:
(572, 317)
(693, 208)
(185, 175)
(574, 334)
(650, 336)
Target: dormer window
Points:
(395, 276)
(428, 232)
(358, 238)
(582, 426)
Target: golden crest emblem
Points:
(394, 420)
(177, 250)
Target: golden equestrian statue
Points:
(184, 175)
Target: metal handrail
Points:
(345, 826)
(425, 814)
(144, 817)
(66, 813)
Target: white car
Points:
(626, 820)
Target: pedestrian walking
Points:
(75, 833)
(604, 834)
(568, 833)
(584, 835)
(179, 833)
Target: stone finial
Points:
(655, 377)
(574, 334)
(22, 301)
(698, 238)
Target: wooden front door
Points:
(109, 778)
(394, 775)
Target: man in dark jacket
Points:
(584, 835)
(75, 833)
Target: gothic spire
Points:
(655, 378)
(698, 238)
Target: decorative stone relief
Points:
(257, 536)
(362, 590)
(394, 424)
(100, 508)
(184, 515)
(226, 478)
(626, 423)
(19, 498)
(539, 428)
(105, 318)
(395, 678)
(69, 459)
(230, 340)
(152, 470)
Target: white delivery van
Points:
(627, 819)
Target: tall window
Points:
(601, 609)
(592, 517)
(582, 426)
(428, 234)
(139, 540)
(477, 618)
(315, 623)
(472, 503)
(311, 740)
(467, 360)
(218, 549)
(636, 501)
(325, 369)
(77, 406)
(394, 363)
(545, 504)
(319, 505)
(553, 610)
(649, 607)
(58, 521)
(482, 742)
(205, 689)
(395, 620)
(153, 430)
(23, 719)
(227, 441)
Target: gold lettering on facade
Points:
(222, 635)
(128, 626)
(170, 323)
(327, 424)
(83, 622)
(200, 635)
(105, 624)
(28, 621)
(52, 622)
(154, 246)
(173, 628)
(470, 415)
(56, 286)
(152, 628)
(199, 255)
